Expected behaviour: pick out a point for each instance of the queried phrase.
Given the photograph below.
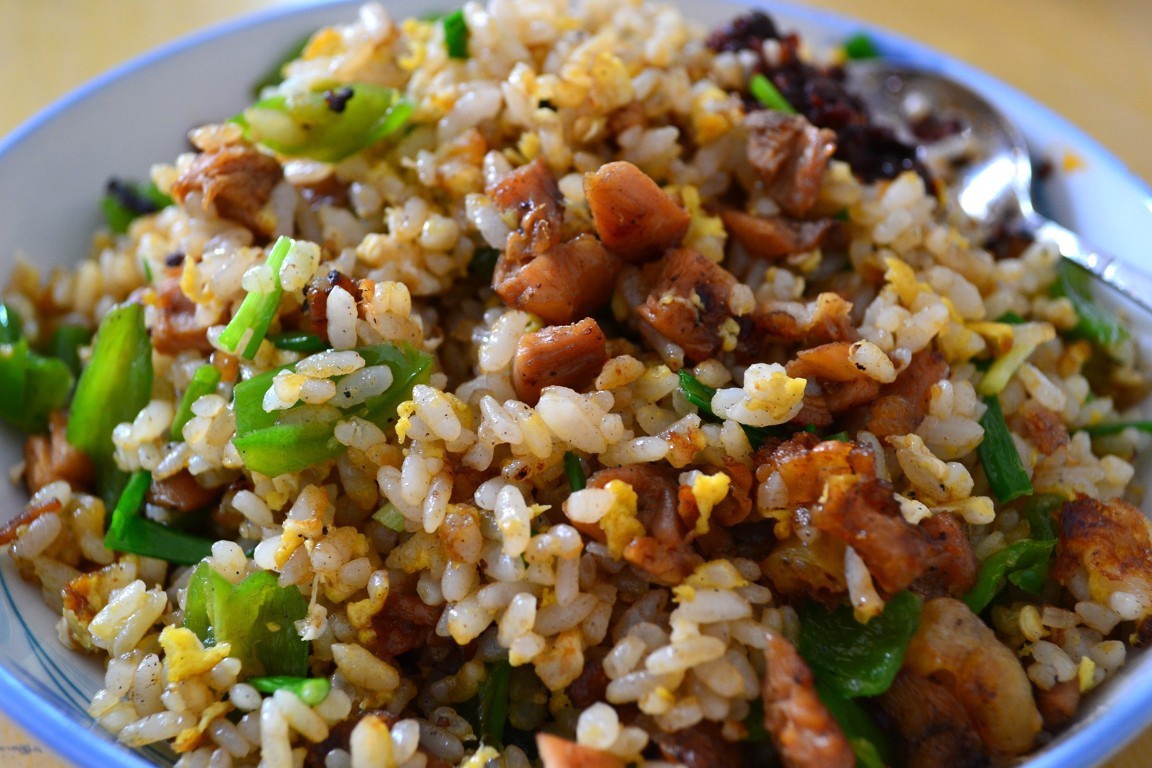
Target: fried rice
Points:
(697, 470)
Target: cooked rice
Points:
(462, 504)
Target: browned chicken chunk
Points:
(560, 281)
(804, 732)
(863, 512)
(903, 404)
(531, 192)
(686, 301)
(932, 726)
(664, 552)
(237, 181)
(48, 458)
(1108, 541)
(561, 355)
(183, 492)
(774, 237)
(556, 752)
(954, 648)
(701, 746)
(952, 567)
(824, 319)
(634, 218)
(568, 282)
(790, 155)
(1042, 427)
(1058, 704)
(176, 329)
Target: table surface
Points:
(1089, 61)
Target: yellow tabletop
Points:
(1091, 61)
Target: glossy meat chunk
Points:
(634, 218)
(559, 355)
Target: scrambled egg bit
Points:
(773, 393)
(708, 491)
(619, 523)
(186, 656)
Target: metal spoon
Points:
(993, 187)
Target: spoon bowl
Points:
(984, 160)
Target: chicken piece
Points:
(842, 397)
(405, 624)
(176, 329)
(330, 190)
(556, 752)
(592, 684)
(237, 181)
(790, 155)
(10, 530)
(664, 552)
(701, 746)
(862, 511)
(774, 237)
(687, 302)
(903, 404)
(826, 318)
(807, 569)
(1058, 704)
(933, 728)
(826, 362)
(48, 458)
(531, 191)
(315, 309)
(183, 492)
(803, 730)
(954, 648)
(560, 282)
(569, 281)
(559, 355)
(1042, 427)
(1110, 542)
(806, 463)
(634, 218)
(953, 567)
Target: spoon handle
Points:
(1130, 282)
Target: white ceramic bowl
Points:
(52, 172)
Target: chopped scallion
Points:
(129, 532)
(203, 382)
(860, 46)
(113, 389)
(11, 326)
(700, 395)
(310, 690)
(767, 94)
(574, 471)
(327, 124)
(483, 263)
(66, 343)
(390, 517)
(257, 617)
(278, 442)
(494, 703)
(456, 35)
(998, 455)
(1097, 323)
(258, 309)
(298, 341)
(1116, 427)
